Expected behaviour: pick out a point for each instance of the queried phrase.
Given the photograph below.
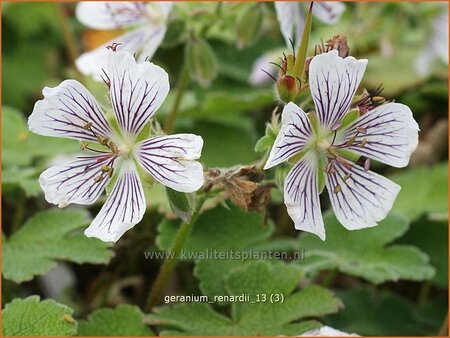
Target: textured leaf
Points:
(424, 191)
(432, 238)
(258, 281)
(124, 320)
(221, 230)
(384, 313)
(31, 317)
(46, 237)
(365, 253)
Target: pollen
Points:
(337, 189)
(88, 126)
(98, 179)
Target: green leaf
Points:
(365, 253)
(255, 281)
(32, 317)
(225, 145)
(384, 313)
(431, 237)
(124, 320)
(24, 178)
(424, 191)
(49, 236)
(20, 146)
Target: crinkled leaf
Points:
(24, 178)
(366, 253)
(424, 191)
(253, 317)
(49, 236)
(432, 238)
(32, 317)
(124, 320)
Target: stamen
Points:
(337, 189)
(98, 179)
(378, 99)
(110, 172)
(346, 177)
(103, 140)
(361, 130)
(88, 126)
(351, 141)
(367, 165)
(105, 168)
(330, 155)
(363, 143)
(83, 145)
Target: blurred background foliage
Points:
(390, 280)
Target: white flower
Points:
(292, 18)
(327, 331)
(146, 23)
(437, 46)
(136, 91)
(320, 143)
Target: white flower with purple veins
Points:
(136, 91)
(292, 17)
(325, 144)
(146, 22)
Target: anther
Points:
(352, 140)
(363, 143)
(337, 189)
(103, 140)
(112, 146)
(330, 155)
(88, 126)
(110, 172)
(367, 165)
(83, 145)
(105, 168)
(98, 179)
(361, 130)
(346, 177)
(378, 99)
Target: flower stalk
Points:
(182, 85)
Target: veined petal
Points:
(391, 134)
(291, 20)
(123, 209)
(294, 135)
(137, 90)
(154, 40)
(171, 160)
(111, 15)
(94, 62)
(75, 181)
(333, 82)
(65, 111)
(361, 199)
(301, 197)
(328, 12)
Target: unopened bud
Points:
(288, 88)
(249, 25)
(201, 61)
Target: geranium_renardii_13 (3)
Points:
(117, 148)
(324, 145)
(145, 22)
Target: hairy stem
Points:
(182, 84)
(171, 259)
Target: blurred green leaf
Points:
(25, 178)
(124, 320)
(424, 191)
(267, 317)
(46, 237)
(32, 317)
(365, 253)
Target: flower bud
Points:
(201, 61)
(181, 204)
(249, 25)
(288, 88)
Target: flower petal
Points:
(392, 134)
(64, 112)
(171, 160)
(94, 62)
(73, 182)
(111, 15)
(291, 20)
(328, 12)
(301, 197)
(294, 135)
(136, 90)
(123, 209)
(361, 199)
(333, 82)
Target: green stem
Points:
(67, 33)
(171, 259)
(182, 84)
(423, 293)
